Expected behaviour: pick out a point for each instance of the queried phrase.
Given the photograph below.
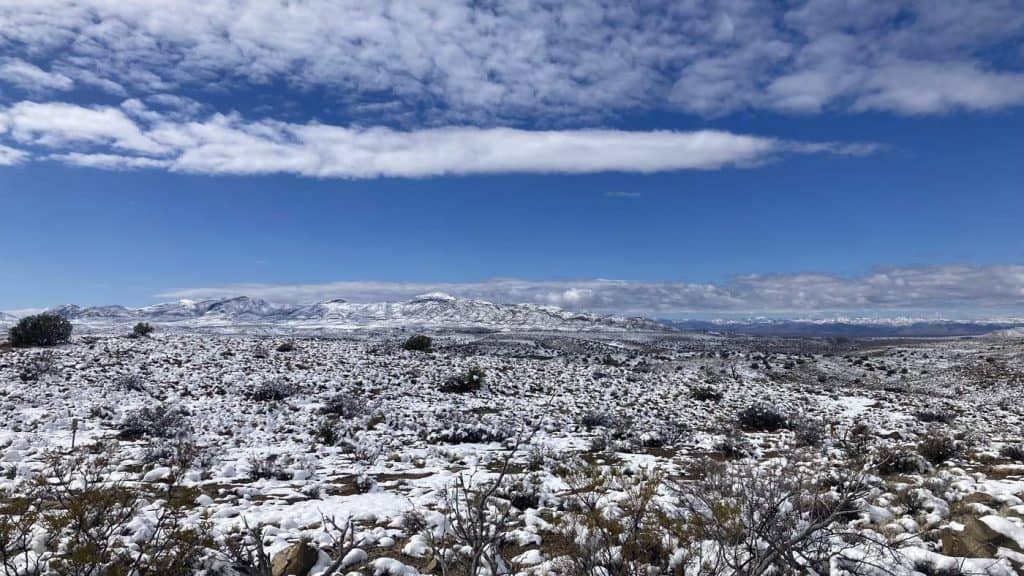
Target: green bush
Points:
(418, 343)
(40, 330)
(471, 381)
(141, 330)
(762, 418)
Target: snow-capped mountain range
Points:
(435, 310)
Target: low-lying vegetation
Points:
(40, 330)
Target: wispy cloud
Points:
(133, 136)
(32, 78)
(11, 156)
(494, 63)
(966, 289)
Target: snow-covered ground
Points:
(359, 428)
(434, 310)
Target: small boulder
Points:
(981, 537)
(295, 560)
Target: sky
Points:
(676, 159)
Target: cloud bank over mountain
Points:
(944, 291)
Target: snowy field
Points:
(578, 454)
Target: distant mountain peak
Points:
(422, 312)
(434, 297)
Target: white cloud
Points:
(134, 136)
(32, 78)
(965, 289)
(931, 87)
(11, 156)
(565, 62)
(108, 161)
(57, 124)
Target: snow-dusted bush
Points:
(938, 447)
(762, 418)
(326, 432)
(346, 405)
(706, 393)
(935, 416)
(130, 383)
(467, 428)
(272, 390)
(734, 445)
(471, 381)
(142, 330)
(154, 422)
(1013, 452)
(895, 461)
(85, 520)
(418, 343)
(40, 330)
(37, 366)
(598, 419)
(268, 467)
(809, 433)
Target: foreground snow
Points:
(622, 401)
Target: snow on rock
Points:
(392, 567)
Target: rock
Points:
(980, 537)
(157, 474)
(295, 560)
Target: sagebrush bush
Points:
(933, 416)
(142, 330)
(40, 330)
(762, 418)
(895, 461)
(418, 343)
(1013, 452)
(471, 381)
(37, 366)
(735, 446)
(937, 447)
(345, 406)
(272, 390)
(154, 422)
(809, 433)
(597, 419)
(453, 427)
(706, 393)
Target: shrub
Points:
(267, 467)
(131, 383)
(471, 381)
(466, 428)
(762, 418)
(418, 343)
(154, 422)
(809, 433)
(938, 447)
(325, 432)
(706, 393)
(35, 367)
(142, 330)
(40, 330)
(345, 406)
(892, 461)
(933, 416)
(272, 391)
(1013, 452)
(597, 419)
(734, 446)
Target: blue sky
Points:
(812, 158)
